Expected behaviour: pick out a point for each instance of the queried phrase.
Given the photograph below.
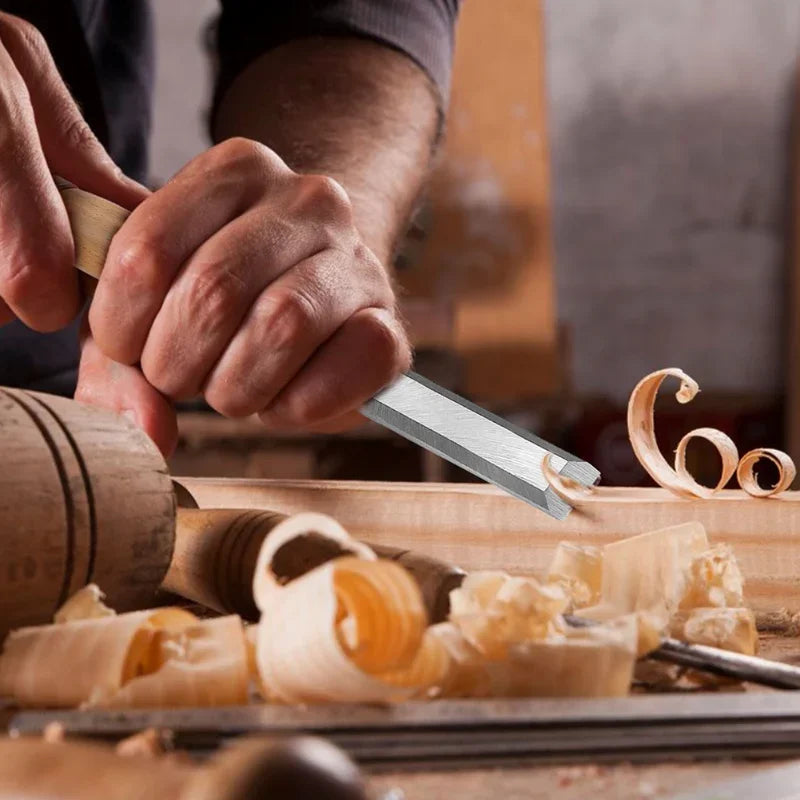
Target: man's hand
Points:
(248, 283)
(42, 131)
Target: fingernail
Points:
(130, 415)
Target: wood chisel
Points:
(422, 412)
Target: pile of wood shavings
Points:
(355, 629)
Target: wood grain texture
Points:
(84, 497)
(480, 527)
(94, 221)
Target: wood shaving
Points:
(145, 658)
(728, 628)
(669, 576)
(727, 452)
(507, 638)
(580, 662)
(746, 474)
(568, 489)
(578, 569)
(641, 431)
(86, 603)
(340, 625)
(351, 629)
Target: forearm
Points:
(357, 111)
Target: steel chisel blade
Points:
(476, 440)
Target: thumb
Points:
(124, 390)
(71, 149)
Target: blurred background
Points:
(614, 196)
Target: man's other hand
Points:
(42, 132)
(247, 283)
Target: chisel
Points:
(417, 409)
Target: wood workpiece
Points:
(480, 527)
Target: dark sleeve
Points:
(422, 29)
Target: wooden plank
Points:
(480, 527)
(488, 249)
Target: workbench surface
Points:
(570, 782)
(578, 782)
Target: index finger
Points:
(37, 281)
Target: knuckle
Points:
(28, 285)
(241, 152)
(294, 410)
(286, 316)
(27, 33)
(77, 135)
(324, 197)
(227, 403)
(386, 341)
(215, 294)
(140, 263)
(136, 270)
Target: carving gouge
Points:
(417, 409)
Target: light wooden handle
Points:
(306, 767)
(94, 221)
(216, 552)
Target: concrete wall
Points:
(669, 142)
(182, 85)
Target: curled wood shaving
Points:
(568, 489)
(145, 658)
(746, 474)
(727, 452)
(350, 629)
(641, 431)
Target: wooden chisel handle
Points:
(216, 552)
(94, 221)
(279, 770)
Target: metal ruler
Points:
(469, 733)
